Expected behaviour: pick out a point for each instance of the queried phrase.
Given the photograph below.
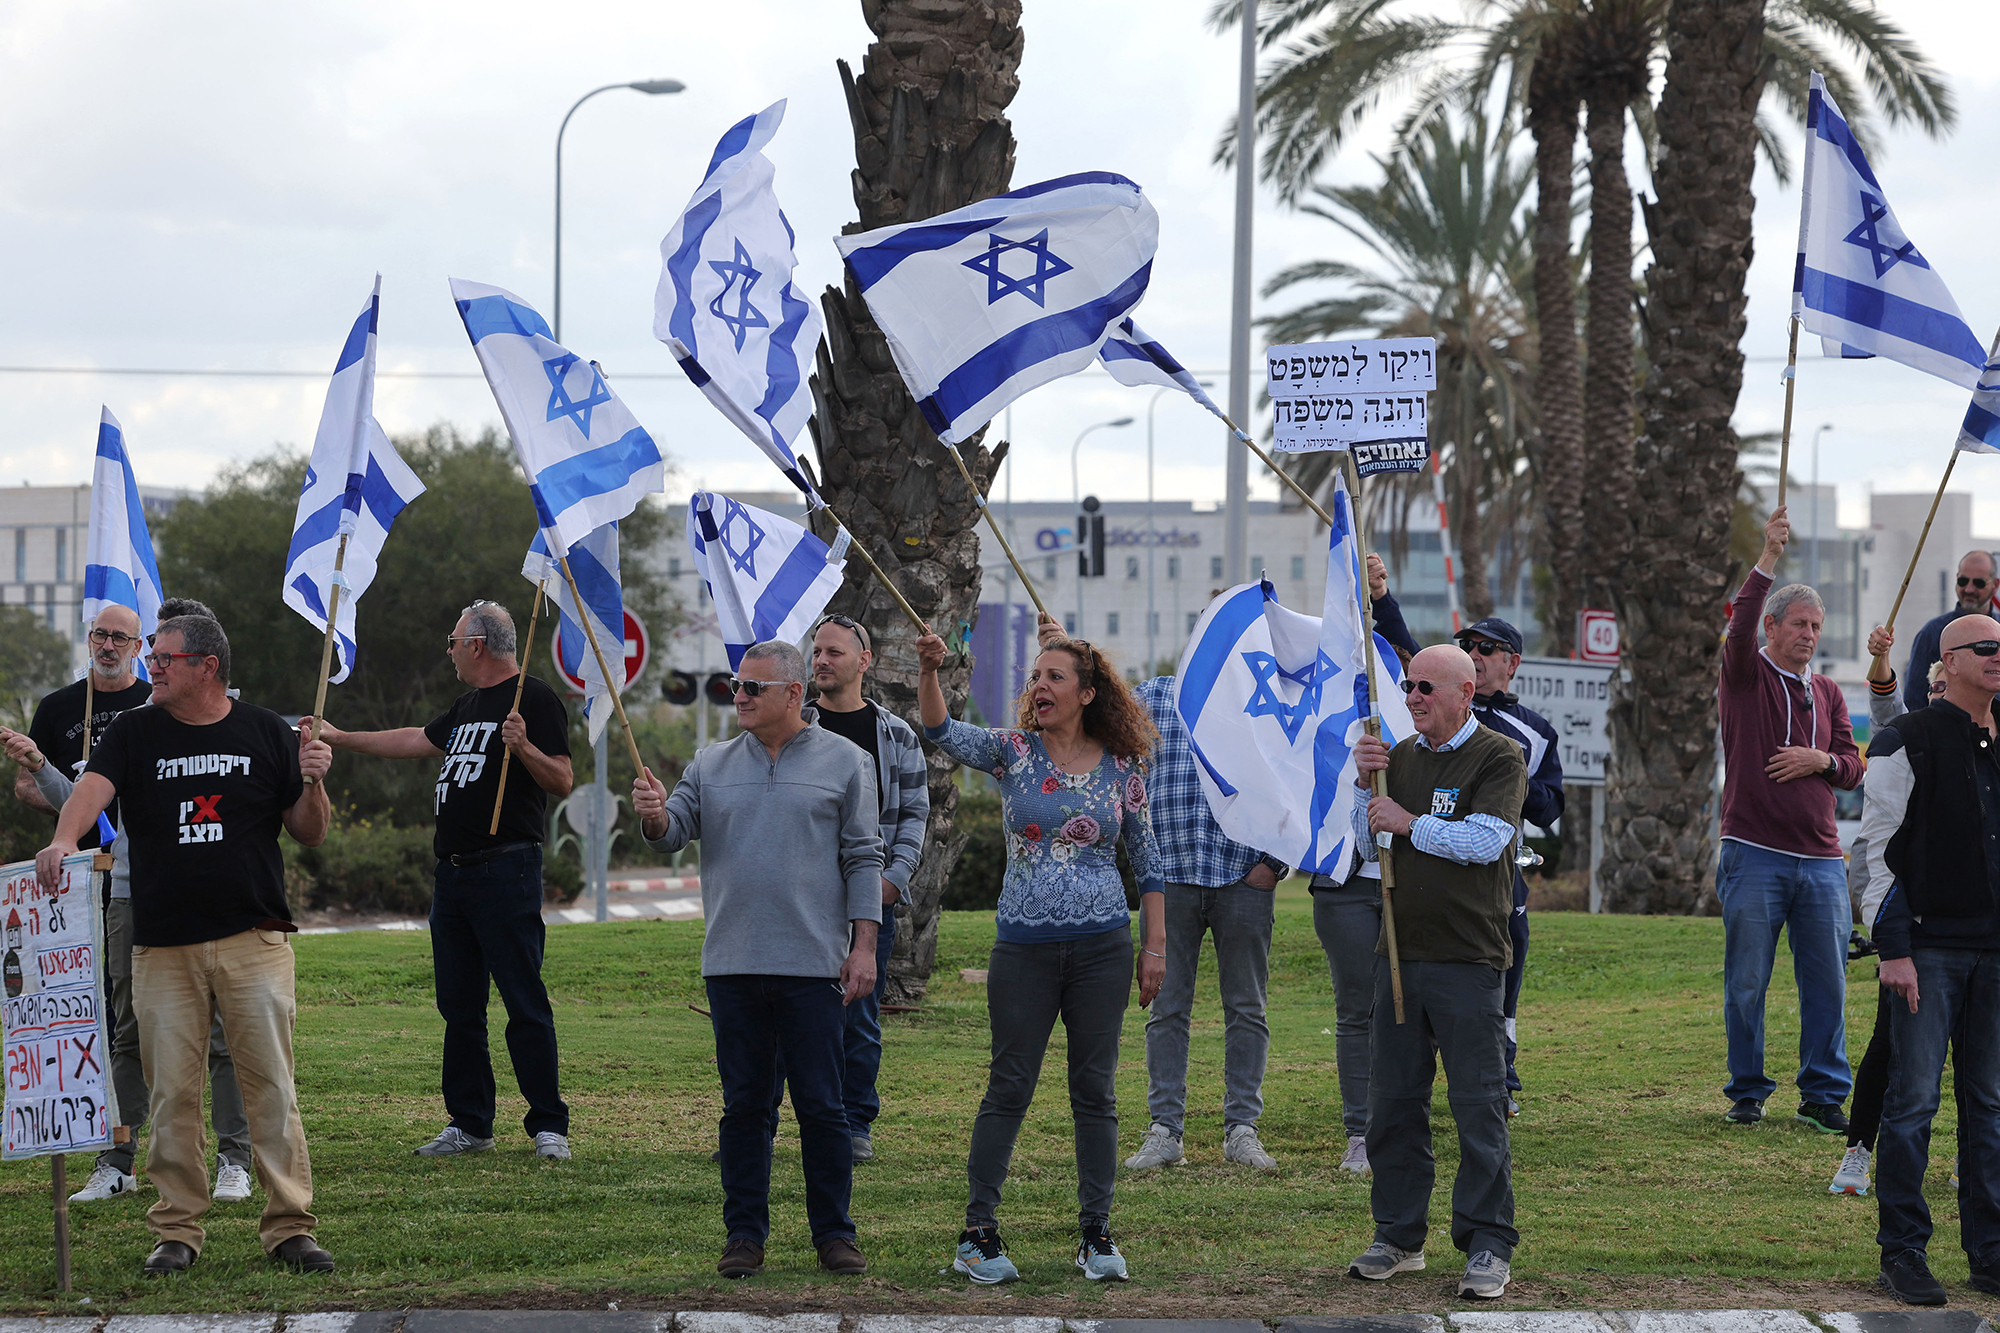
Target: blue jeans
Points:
(757, 1019)
(861, 1047)
(1762, 893)
(486, 924)
(1958, 1004)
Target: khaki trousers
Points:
(248, 980)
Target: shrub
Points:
(974, 884)
(366, 866)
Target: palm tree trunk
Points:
(1607, 389)
(930, 135)
(1558, 380)
(1468, 526)
(1659, 852)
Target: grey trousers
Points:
(1348, 920)
(1457, 1006)
(128, 1077)
(1240, 918)
(1087, 983)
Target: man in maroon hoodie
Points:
(1786, 745)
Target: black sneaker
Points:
(1909, 1279)
(1984, 1279)
(1826, 1117)
(1746, 1112)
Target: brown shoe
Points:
(303, 1255)
(741, 1257)
(842, 1255)
(169, 1256)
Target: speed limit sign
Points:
(1597, 636)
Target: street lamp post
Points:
(1812, 555)
(1152, 535)
(651, 87)
(597, 859)
(1076, 500)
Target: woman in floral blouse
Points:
(1072, 784)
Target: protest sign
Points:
(1335, 394)
(59, 1097)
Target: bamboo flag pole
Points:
(1992, 349)
(520, 683)
(1383, 842)
(985, 509)
(854, 545)
(89, 706)
(1785, 436)
(326, 649)
(617, 697)
(1283, 475)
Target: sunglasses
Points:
(754, 688)
(1485, 647)
(1417, 687)
(1983, 648)
(849, 623)
(1965, 582)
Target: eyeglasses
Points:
(113, 637)
(847, 622)
(1983, 648)
(755, 688)
(1485, 647)
(159, 661)
(1417, 686)
(1965, 582)
(453, 640)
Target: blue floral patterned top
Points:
(1062, 834)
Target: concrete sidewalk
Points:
(638, 1321)
(650, 897)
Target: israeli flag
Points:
(356, 484)
(726, 304)
(594, 563)
(1860, 282)
(588, 460)
(1981, 432)
(769, 577)
(1274, 701)
(118, 564)
(984, 303)
(1137, 360)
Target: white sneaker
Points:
(1356, 1159)
(1852, 1178)
(1241, 1145)
(232, 1183)
(105, 1182)
(550, 1144)
(451, 1142)
(1486, 1277)
(1160, 1147)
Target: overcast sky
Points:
(212, 185)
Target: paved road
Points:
(647, 896)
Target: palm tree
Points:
(1446, 222)
(1342, 57)
(930, 135)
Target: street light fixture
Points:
(1812, 555)
(651, 87)
(1076, 499)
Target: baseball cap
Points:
(1492, 627)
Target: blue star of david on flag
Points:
(561, 404)
(747, 316)
(1033, 285)
(1868, 235)
(744, 559)
(1266, 701)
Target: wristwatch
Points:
(1832, 769)
(1276, 867)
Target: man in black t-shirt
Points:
(486, 912)
(50, 756)
(206, 783)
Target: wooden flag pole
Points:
(1992, 349)
(854, 545)
(1283, 475)
(326, 649)
(59, 1185)
(1374, 725)
(998, 536)
(617, 697)
(89, 705)
(520, 683)
(1785, 436)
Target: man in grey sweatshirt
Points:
(790, 857)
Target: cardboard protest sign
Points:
(57, 1048)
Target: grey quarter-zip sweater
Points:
(790, 851)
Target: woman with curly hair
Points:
(1072, 786)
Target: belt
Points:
(490, 854)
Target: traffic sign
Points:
(1597, 636)
(636, 649)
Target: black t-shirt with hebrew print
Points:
(203, 806)
(469, 778)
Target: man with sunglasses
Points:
(486, 911)
(1933, 824)
(1786, 745)
(1453, 804)
(1977, 586)
(1495, 647)
(791, 867)
(50, 756)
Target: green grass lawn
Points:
(1631, 1192)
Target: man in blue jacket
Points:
(1976, 588)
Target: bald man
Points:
(1454, 808)
(1933, 820)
